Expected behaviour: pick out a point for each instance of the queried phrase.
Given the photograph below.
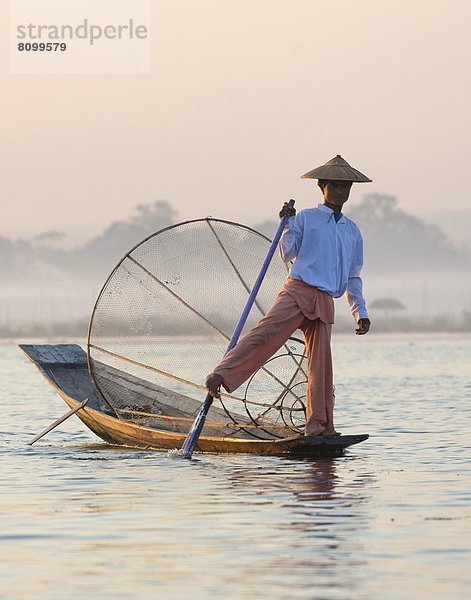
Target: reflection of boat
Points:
(163, 418)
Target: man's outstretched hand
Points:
(363, 326)
(287, 211)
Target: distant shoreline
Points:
(341, 336)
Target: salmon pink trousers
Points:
(298, 306)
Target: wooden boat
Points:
(64, 366)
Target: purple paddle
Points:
(191, 439)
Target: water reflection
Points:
(321, 510)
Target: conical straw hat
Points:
(336, 169)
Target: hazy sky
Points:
(245, 96)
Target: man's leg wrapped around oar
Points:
(298, 306)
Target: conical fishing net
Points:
(163, 320)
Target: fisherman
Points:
(327, 253)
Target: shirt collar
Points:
(328, 211)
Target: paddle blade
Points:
(189, 444)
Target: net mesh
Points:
(164, 319)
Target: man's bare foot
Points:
(325, 433)
(213, 384)
(333, 433)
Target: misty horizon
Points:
(407, 260)
(454, 224)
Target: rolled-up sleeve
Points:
(354, 291)
(290, 240)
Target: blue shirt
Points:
(327, 254)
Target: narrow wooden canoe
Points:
(64, 366)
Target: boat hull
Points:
(63, 363)
(113, 431)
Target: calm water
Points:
(390, 519)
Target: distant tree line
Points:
(47, 290)
(395, 241)
(43, 256)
